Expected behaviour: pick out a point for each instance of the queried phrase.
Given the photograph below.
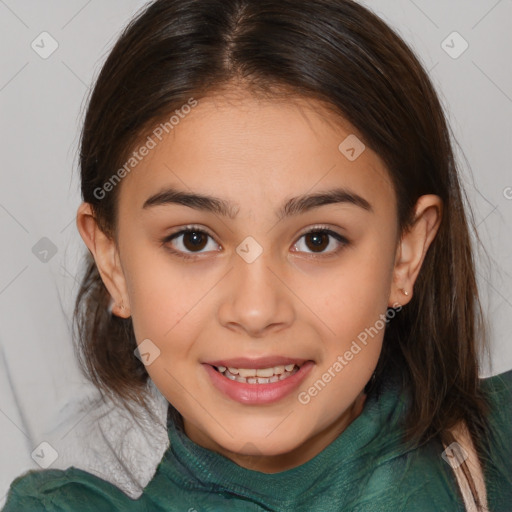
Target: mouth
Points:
(258, 381)
(259, 375)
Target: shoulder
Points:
(498, 462)
(55, 490)
(501, 383)
(498, 393)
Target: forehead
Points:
(244, 148)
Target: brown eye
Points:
(317, 240)
(194, 240)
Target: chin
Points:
(267, 438)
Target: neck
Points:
(276, 463)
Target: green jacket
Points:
(366, 468)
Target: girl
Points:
(278, 241)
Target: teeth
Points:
(260, 375)
(265, 372)
(243, 372)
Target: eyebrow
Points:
(294, 206)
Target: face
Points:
(291, 261)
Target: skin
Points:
(291, 300)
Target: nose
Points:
(256, 299)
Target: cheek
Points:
(165, 310)
(357, 290)
(164, 302)
(354, 307)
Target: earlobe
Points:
(105, 254)
(413, 247)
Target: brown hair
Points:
(336, 52)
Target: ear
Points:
(105, 253)
(413, 247)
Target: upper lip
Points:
(257, 362)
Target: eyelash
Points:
(196, 229)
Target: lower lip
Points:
(258, 393)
